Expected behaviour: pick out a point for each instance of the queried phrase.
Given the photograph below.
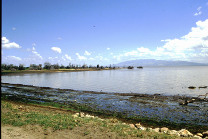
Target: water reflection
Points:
(150, 80)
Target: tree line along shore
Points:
(49, 67)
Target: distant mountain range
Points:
(153, 62)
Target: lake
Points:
(149, 80)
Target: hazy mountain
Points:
(153, 62)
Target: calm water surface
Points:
(150, 80)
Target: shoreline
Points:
(82, 100)
(134, 95)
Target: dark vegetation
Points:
(49, 66)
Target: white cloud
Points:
(13, 28)
(131, 53)
(56, 49)
(108, 48)
(36, 54)
(12, 58)
(199, 8)
(4, 40)
(101, 58)
(193, 44)
(199, 12)
(63, 58)
(81, 57)
(91, 58)
(87, 53)
(195, 39)
(68, 57)
(143, 50)
(8, 45)
(50, 58)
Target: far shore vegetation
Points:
(51, 67)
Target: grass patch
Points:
(16, 117)
(16, 114)
(75, 107)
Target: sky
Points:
(103, 31)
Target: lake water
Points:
(149, 80)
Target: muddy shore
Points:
(153, 110)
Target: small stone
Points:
(123, 123)
(89, 116)
(173, 132)
(185, 133)
(164, 130)
(132, 125)
(74, 115)
(156, 129)
(199, 134)
(113, 120)
(197, 137)
(142, 128)
(138, 125)
(81, 114)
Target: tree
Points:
(3, 67)
(40, 67)
(56, 66)
(21, 67)
(10, 66)
(98, 66)
(84, 66)
(33, 67)
(47, 65)
(62, 66)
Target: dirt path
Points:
(36, 132)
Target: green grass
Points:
(12, 115)
(56, 121)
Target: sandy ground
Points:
(36, 132)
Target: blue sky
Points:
(103, 31)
